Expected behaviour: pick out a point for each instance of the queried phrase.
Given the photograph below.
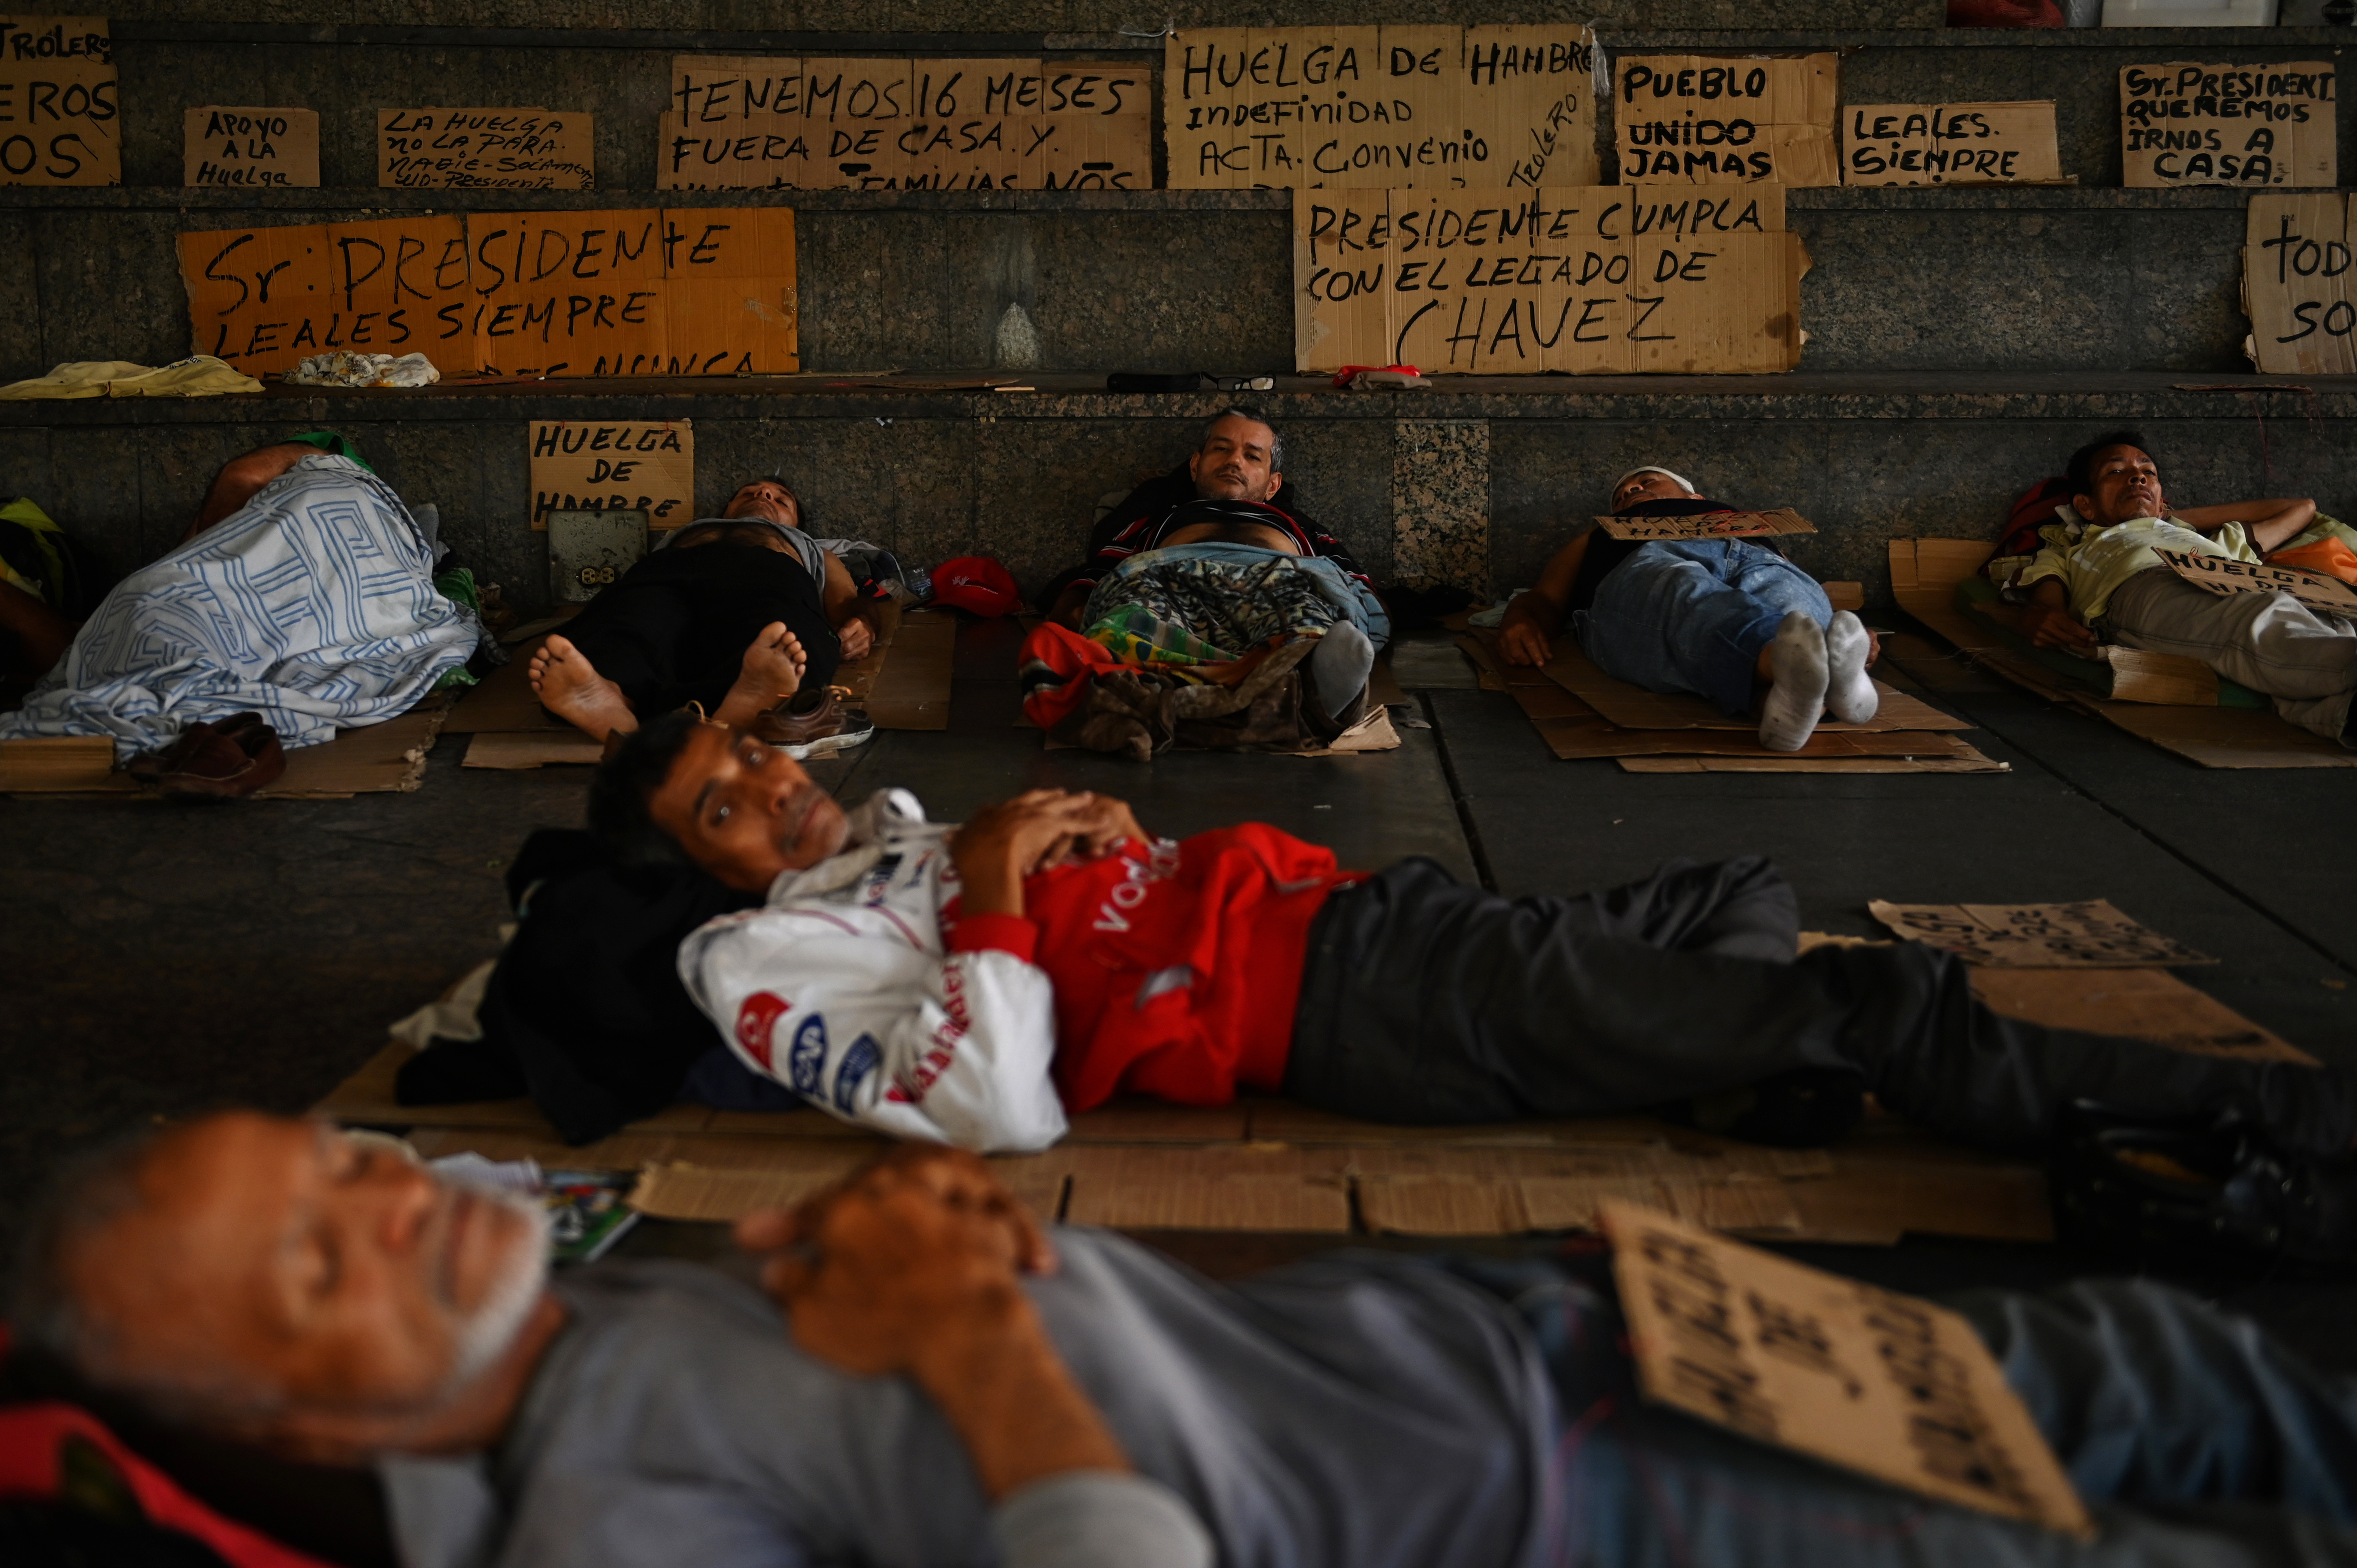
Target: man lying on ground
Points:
(1730, 619)
(1231, 487)
(972, 986)
(742, 614)
(1210, 564)
(2102, 582)
(304, 592)
(957, 1384)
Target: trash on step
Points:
(345, 368)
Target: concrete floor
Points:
(164, 958)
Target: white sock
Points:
(1796, 698)
(1849, 690)
(1340, 665)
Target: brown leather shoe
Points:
(234, 758)
(814, 723)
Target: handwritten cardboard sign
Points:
(1417, 106)
(1588, 280)
(738, 123)
(2089, 934)
(60, 120)
(2218, 575)
(1950, 144)
(2261, 125)
(613, 465)
(2295, 252)
(1708, 525)
(1883, 1384)
(1724, 121)
(251, 147)
(669, 292)
(484, 149)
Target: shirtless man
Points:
(742, 614)
(1231, 491)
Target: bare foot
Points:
(569, 686)
(774, 662)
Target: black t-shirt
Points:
(1605, 552)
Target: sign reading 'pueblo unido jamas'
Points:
(1720, 122)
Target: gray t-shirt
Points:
(1362, 1410)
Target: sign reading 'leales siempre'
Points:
(669, 292)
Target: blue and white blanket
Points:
(313, 605)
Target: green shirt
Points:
(2094, 561)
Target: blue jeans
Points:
(2193, 1438)
(1692, 615)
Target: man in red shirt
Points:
(929, 980)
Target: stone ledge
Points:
(823, 395)
(372, 199)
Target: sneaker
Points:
(813, 725)
(2206, 1192)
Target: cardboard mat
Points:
(903, 682)
(1573, 727)
(2170, 708)
(379, 758)
(1266, 1165)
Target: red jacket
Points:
(1177, 966)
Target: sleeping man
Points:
(301, 601)
(957, 1384)
(973, 985)
(1730, 619)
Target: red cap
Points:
(975, 583)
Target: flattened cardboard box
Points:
(1875, 1383)
(1716, 121)
(1951, 144)
(60, 112)
(1709, 525)
(1412, 106)
(2295, 253)
(676, 291)
(612, 465)
(1585, 280)
(2261, 125)
(485, 149)
(2088, 934)
(250, 148)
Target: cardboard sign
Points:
(2218, 575)
(1380, 108)
(1708, 525)
(1950, 144)
(2269, 125)
(671, 292)
(1883, 1384)
(740, 124)
(1588, 280)
(2295, 252)
(250, 146)
(484, 149)
(1721, 121)
(2086, 935)
(60, 120)
(613, 465)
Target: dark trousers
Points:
(675, 627)
(1422, 1001)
